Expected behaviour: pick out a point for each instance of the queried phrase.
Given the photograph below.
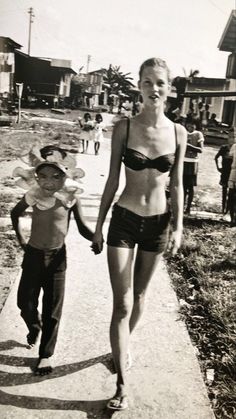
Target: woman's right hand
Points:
(97, 244)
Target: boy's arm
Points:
(197, 149)
(79, 219)
(16, 213)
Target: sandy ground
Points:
(208, 192)
(165, 382)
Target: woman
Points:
(152, 149)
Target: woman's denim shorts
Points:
(127, 229)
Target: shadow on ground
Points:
(93, 408)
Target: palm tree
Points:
(79, 85)
(192, 73)
(117, 81)
(118, 85)
(180, 82)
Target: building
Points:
(42, 78)
(228, 43)
(219, 93)
(94, 88)
(205, 89)
(7, 65)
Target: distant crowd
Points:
(198, 113)
(198, 118)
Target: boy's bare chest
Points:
(51, 216)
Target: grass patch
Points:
(203, 276)
(10, 255)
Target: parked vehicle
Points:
(216, 135)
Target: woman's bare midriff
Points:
(145, 192)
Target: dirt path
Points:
(165, 381)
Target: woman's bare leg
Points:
(119, 263)
(145, 265)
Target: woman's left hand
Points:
(174, 242)
(97, 244)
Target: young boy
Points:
(44, 262)
(194, 146)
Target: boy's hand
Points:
(97, 244)
(95, 248)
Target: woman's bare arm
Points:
(112, 183)
(176, 189)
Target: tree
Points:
(79, 85)
(180, 82)
(117, 81)
(192, 73)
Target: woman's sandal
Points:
(118, 403)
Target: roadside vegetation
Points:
(203, 272)
(203, 276)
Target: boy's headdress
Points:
(51, 155)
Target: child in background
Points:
(44, 262)
(99, 128)
(232, 178)
(226, 161)
(87, 126)
(194, 146)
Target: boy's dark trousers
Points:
(42, 270)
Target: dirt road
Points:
(165, 381)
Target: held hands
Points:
(23, 246)
(97, 244)
(174, 242)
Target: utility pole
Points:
(88, 61)
(31, 16)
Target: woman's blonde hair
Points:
(155, 62)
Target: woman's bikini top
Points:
(135, 160)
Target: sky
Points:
(185, 33)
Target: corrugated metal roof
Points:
(8, 41)
(228, 39)
(59, 62)
(210, 93)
